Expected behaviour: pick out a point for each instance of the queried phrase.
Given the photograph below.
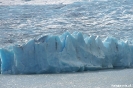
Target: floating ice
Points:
(66, 53)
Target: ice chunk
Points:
(24, 57)
(68, 60)
(7, 61)
(66, 53)
(0, 65)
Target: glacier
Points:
(68, 52)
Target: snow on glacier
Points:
(66, 53)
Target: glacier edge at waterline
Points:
(66, 53)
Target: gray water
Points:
(93, 79)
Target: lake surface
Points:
(93, 79)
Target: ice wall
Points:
(0, 65)
(66, 53)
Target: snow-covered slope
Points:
(66, 53)
(22, 20)
(19, 23)
(36, 2)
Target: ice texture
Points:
(66, 53)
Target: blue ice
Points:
(66, 53)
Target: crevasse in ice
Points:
(66, 53)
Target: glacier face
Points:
(66, 53)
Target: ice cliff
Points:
(66, 53)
